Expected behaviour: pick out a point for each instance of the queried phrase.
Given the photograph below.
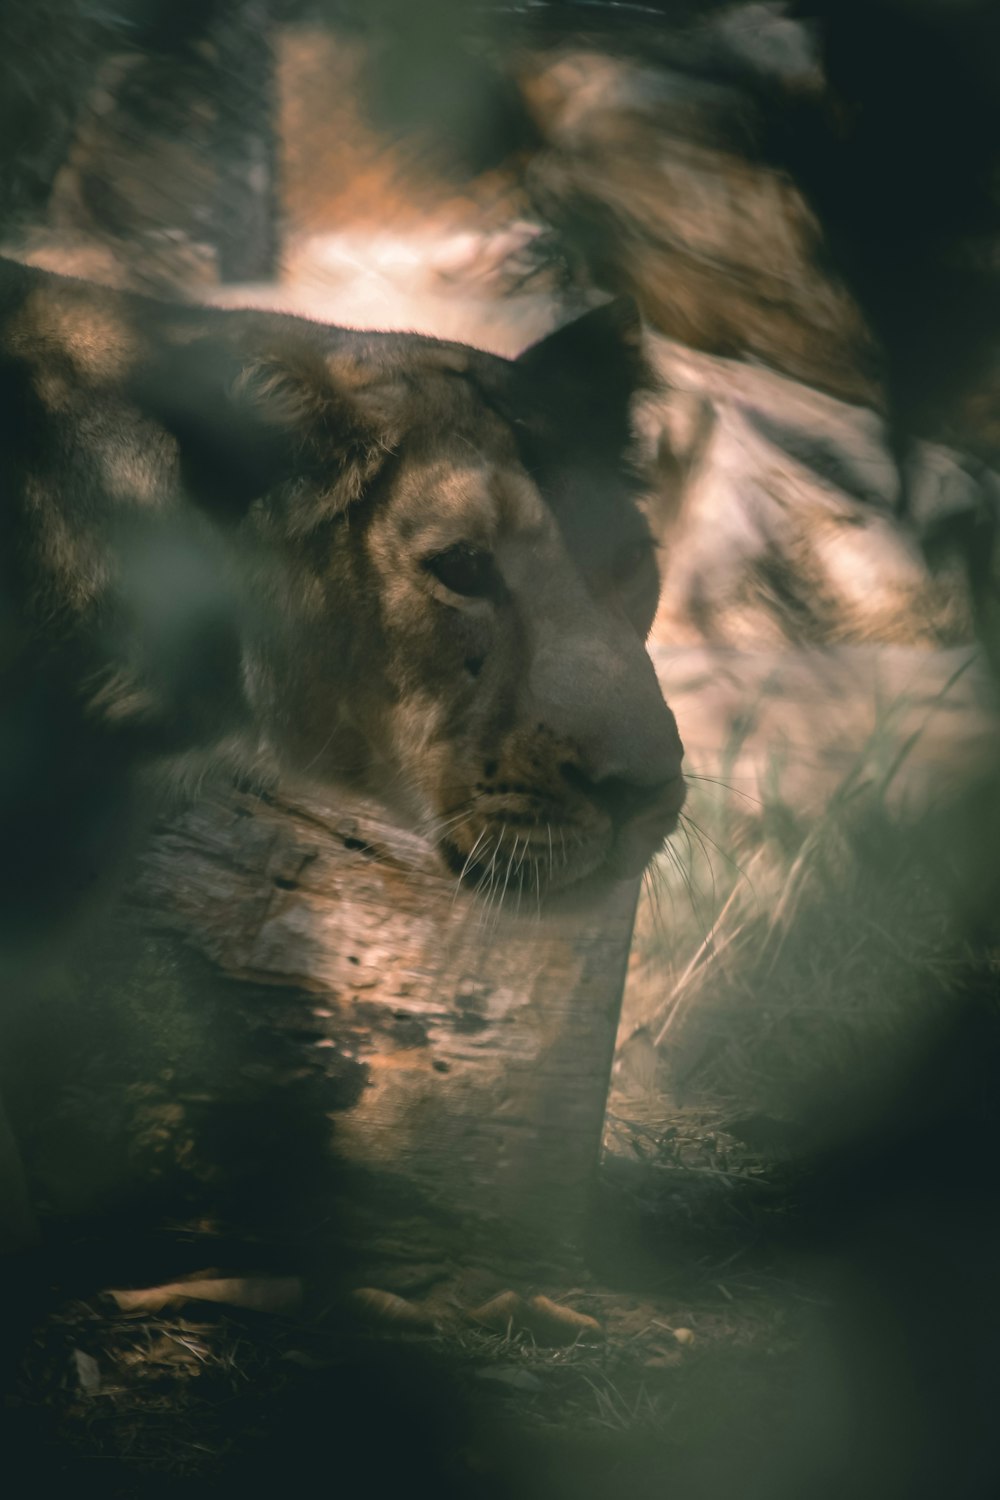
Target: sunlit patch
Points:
(93, 337)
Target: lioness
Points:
(372, 559)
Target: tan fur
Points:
(91, 336)
(289, 491)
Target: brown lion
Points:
(369, 559)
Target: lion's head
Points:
(459, 585)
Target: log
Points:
(476, 1047)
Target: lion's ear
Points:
(581, 380)
(246, 424)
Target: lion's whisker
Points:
(468, 861)
(703, 837)
(491, 873)
(726, 785)
(510, 861)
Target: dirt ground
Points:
(689, 1318)
(179, 1132)
(716, 1336)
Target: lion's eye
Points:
(465, 570)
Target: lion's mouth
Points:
(506, 866)
(639, 841)
(508, 863)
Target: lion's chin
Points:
(588, 863)
(523, 885)
(635, 849)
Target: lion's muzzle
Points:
(639, 837)
(643, 812)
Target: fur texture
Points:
(371, 559)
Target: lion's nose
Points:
(637, 767)
(627, 800)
